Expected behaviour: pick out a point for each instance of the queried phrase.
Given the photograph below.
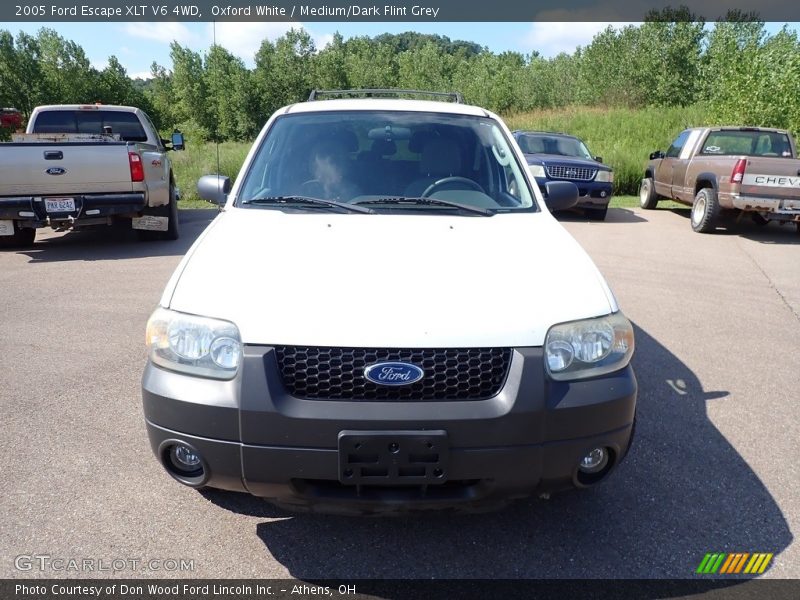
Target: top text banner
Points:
(386, 10)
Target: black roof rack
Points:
(383, 93)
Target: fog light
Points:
(185, 461)
(594, 461)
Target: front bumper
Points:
(89, 209)
(254, 437)
(591, 194)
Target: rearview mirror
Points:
(214, 188)
(177, 140)
(561, 195)
(656, 155)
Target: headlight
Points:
(589, 347)
(604, 176)
(195, 345)
(536, 170)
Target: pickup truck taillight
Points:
(137, 168)
(738, 171)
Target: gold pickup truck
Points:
(727, 169)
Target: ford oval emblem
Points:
(393, 373)
(55, 171)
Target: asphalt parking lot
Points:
(713, 469)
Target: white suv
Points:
(385, 316)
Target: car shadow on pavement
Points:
(743, 226)
(113, 243)
(682, 492)
(614, 215)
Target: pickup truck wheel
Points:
(705, 211)
(22, 238)
(648, 199)
(596, 214)
(171, 212)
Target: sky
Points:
(137, 45)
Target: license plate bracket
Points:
(59, 205)
(393, 457)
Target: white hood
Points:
(388, 280)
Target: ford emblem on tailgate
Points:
(393, 373)
(55, 171)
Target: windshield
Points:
(363, 157)
(553, 144)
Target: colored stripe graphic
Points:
(732, 558)
(741, 562)
(733, 563)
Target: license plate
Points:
(6, 227)
(393, 457)
(59, 205)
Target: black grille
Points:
(338, 373)
(574, 173)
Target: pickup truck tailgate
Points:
(34, 169)
(772, 177)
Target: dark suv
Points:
(563, 157)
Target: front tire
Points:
(23, 238)
(597, 214)
(648, 199)
(705, 211)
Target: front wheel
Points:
(705, 211)
(597, 214)
(648, 199)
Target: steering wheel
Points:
(312, 187)
(442, 182)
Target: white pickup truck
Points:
(93, 164)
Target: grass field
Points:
(624, 138)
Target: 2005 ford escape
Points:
(385, 317)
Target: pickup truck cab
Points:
(727, 169)
(386, 317)
(562, 157)
(80, 165)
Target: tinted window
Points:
(90, 121)
(675, 149)
(748, 143)
(369, 155)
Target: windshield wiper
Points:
(412, 201)
(288, 200)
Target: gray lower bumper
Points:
(255, 438)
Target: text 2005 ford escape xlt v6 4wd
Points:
(384, 318)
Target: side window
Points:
(152, 127)
(675, 149)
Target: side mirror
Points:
(214, 188)
(177, 141)
(598, 159)
(560, 195)
(656, 155)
